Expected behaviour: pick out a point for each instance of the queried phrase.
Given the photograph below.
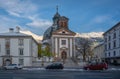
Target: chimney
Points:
(17, 29)
(11, 30)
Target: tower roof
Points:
(57, 15)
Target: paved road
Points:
(59, 74)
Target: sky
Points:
(36, 15)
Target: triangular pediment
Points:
(63, 31)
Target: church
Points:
(60, 38)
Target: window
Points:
(105, 47)
(114, 53)
(114, 44)
(109, 54)
(109, 38)
(21, 42)
(105, 54)
(21, 51)
(7, 51)
(7, 43)
(63, 42)
(21, 61)
(109, 45)
(105, 39)
(114, 35)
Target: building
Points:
(98, 52)
(17, 48)
(60, 38)
(112, 44)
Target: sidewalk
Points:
(75, 65)
(113, 66)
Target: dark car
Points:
(96, 66)
(55, 66)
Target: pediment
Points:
(63, 31)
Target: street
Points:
(59, 74)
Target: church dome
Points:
(47, 33)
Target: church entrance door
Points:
(63, 55)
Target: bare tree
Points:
(84, 47)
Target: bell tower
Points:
(63, 22)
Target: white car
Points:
(13, 66)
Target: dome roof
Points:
(47, 33)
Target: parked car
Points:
(13, 66)
(55, 66)
(96, 66)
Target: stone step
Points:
(70, 63)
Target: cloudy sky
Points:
(36, 15)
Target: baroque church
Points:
(60, 38)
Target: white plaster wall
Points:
(2, 43)
(63, 37)
(56, 46)
(34, 50)
(27, 47)
(15, 60)
(73, 44)
(14, 47)
(27, 61)
(52, 45)
(71, 48)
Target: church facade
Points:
(60, 38)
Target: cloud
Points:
(97, 20)
(18, 7)
(6, 23)
(22, 9)
(95, 23)
(14, 14)
(100, 19)
(39, 23)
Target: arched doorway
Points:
(63, 55)
(7, 62)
